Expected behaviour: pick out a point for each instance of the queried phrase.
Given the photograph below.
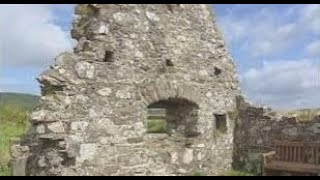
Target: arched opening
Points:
(173, 115)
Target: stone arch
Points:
(162, 90)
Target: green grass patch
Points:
(237, 173)
(13, 123)
(24, 102)
(199, 173)
(157, 126)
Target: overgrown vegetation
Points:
(14, 116)
(199, 173)
(227, 173)
(237, 173)
(233, 115)
(85, 9)
(13, 123)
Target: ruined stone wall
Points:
(258, 128)
(93, 114)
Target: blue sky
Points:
(276, 48)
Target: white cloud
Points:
(267, 31)
(271, 37)
(233, 29)
(265, 34)
(29, 36)
(284, 84)
(313, 49)
(310, 15)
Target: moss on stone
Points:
(233, 115)
(84, 9)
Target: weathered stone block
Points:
(135, 140)
(85, 70)
(19, 166)
(290, 131)
(132, 159)
(188, 156)
(42, 162)
(87, 152)
(18, 150)
(40, 115)
(41, 129)
(56, 127)
(104, 91)
(79, 126)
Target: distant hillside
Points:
(14, 122)
(302, 114)
(24, 101)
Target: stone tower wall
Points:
(93, 114)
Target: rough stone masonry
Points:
(258, 128)
(94, 105)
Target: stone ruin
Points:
(93, 117)
(132, 61)
(257, 129)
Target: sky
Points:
(276, 48)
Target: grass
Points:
(13, 123)
(227, 173)
(199, 173)
(157, 125)
(237, 173)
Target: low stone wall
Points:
(257, 128)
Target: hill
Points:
(24, 101)
(302, 114)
